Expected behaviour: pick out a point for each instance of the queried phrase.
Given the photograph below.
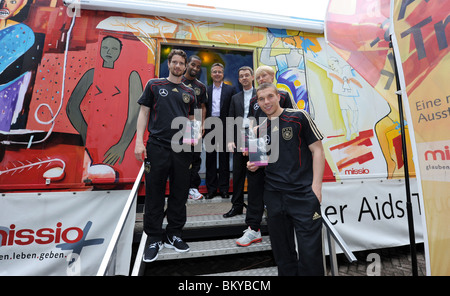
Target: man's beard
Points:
(193, 73)
(174, 73)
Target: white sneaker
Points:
(195, 194)
(250, 236)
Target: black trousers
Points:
(164, 163)
(217, 178)
(295, 214)
(255, 207)
(239, 174)
(196, 164)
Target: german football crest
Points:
(186, 98)
(147, 167)
(287, 133)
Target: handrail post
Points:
(332, 254)
(333, 237)
(138, 261)
(120, 224)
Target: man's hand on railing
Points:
(140, 151)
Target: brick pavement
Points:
(395, 261)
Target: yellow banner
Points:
(422, 33)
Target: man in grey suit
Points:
(239, 107)
(219, 94)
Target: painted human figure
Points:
(104, 111)
(344, 86)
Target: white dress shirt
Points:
(216, 92)
(247, 98)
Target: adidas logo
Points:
(275, 129)
(316, 216)
(175, 90)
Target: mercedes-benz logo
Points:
(163, 92)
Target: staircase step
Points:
(207, 229)
(211, 221)
(214, 248)
(265, 271)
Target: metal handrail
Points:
(333, 235)
(120, 224)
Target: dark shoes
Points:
(209, 196)
(151, 253)
(233, 212)
(221, 194)
(224, 194)
(174, 242)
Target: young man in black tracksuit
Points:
(190, 79)
(163, 100)
(293, 186)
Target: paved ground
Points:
(394, 262)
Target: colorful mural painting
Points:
(69, 83)
(68, 117)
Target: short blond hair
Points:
(266, 69)
(267, 85)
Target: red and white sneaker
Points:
(195, 194)
(250, 236)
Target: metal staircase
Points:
(211, 233)
(214, 238)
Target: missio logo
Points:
(43, 236)
(433, 154)
(361, 171)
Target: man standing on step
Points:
(239, 112)
(190, 79)
(293, 186)
(219, 97)
(163, 100)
